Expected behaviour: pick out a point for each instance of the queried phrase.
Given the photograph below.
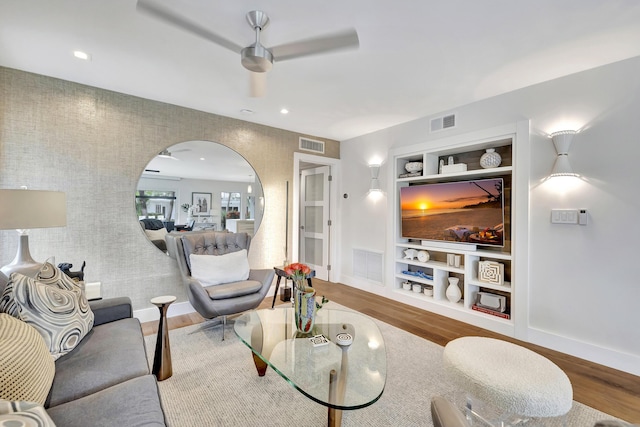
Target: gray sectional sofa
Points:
(105, 380)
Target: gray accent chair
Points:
(228, 298)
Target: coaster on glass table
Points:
(319, 340)
(344, 339)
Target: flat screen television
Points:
(463, 212)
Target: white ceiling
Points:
(201, 160)
(416, 57)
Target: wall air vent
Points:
(307, 144)
(368, 265)
(442, 123)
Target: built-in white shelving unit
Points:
(437, 270)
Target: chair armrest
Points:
(263, 276)
(445, 414)
(110, 310)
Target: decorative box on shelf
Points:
(454, 168)
(491, 272)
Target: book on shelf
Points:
(492, 312)
(410, 174)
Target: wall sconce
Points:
(375, 182)
(562, 142)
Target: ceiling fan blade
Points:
(159, 12)
(337, 41)
(257, 84)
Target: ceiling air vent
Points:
(444, 122)
(307, 144)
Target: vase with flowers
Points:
(304, 297)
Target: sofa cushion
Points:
(233, 290)
(26, 414)
(110, 354)
(133, 403)
(26, 367)
(218, 269)
(61, 315)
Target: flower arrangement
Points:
(185, 207)
(297, 271)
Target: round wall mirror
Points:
(198, 185)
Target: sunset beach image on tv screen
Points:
(462, 211)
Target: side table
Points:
(280, 273)
(162, 357)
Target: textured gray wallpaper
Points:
(93, 145)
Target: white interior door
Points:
(315, 220)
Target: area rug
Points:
(215, 383)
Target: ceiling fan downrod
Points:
(256, 57)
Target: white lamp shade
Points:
(375, 182)
(562, 141)
(26, 209)
(562, 167)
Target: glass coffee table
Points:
(339, 377)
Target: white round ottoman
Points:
(508, 376)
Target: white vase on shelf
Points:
(490, 159)
(453, 292)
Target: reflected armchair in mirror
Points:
(156, 231)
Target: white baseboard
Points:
(152, 314)
(604, 356)
(626, 362)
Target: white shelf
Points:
(432, 264)
(506, 287)
(503, 170)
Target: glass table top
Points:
(361, 367)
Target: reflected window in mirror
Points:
(250, 208)
(229, 207)
(155, 211)
(155, 204)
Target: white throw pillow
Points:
(156, 234)
(219, 269)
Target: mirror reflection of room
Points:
(198, 185)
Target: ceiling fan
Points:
(256, 58)
(166, 154)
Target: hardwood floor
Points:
(609, 390)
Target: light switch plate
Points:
(564, 216)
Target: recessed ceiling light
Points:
(82, 55)
(284, 111)
(201, 158)
(246, 111)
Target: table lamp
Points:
(25, 209)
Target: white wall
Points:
(583, 288)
